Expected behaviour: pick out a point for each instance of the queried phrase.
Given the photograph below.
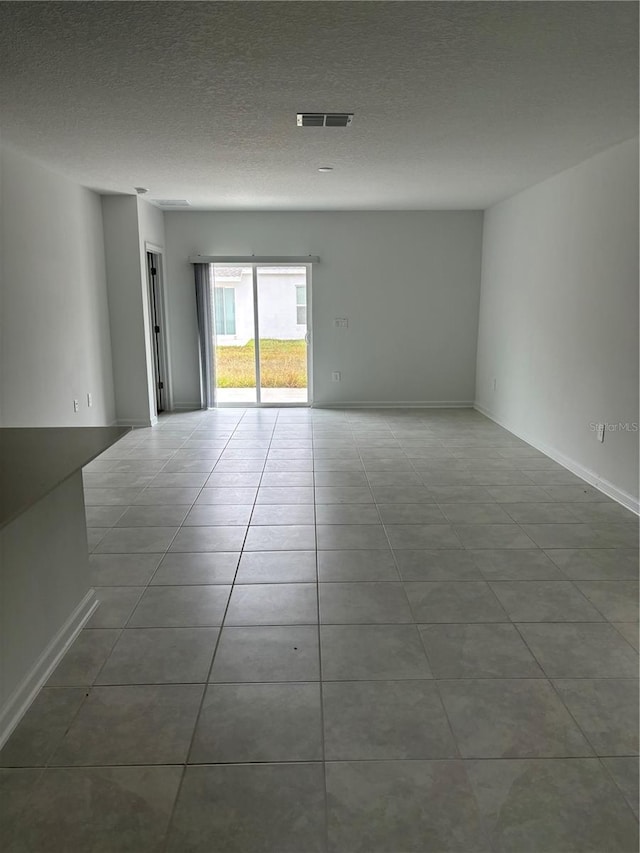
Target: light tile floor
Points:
(351, 632)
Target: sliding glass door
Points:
(233, 332)
(259, 334)
(283, 330)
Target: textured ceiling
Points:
(456, 104)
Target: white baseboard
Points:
(24, 694)
(604, 486)
(403, 404)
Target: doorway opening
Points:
(260, 334)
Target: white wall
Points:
(55, 341)
(559, 315)
(407, 281)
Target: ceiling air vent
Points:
(172, 202)
(324, 119)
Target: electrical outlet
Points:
(600, 433)
(336, 376)
(76, 405)
(341, 322)
(89, 400)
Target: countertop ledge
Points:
(35, 460)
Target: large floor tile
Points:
(42, 728)
(214, 515)
(166, 497)
(250, 808)
(352, 603)
(181, 607)
(568, 805)
(401, 494)
(630, 631)
(596, 564)
(372, 652)
(493, 536)
(273, 604)
(356, 566)
(624, 772)
(491, 650)
(476, 513)
(606, 710)
(580, 650)
(181, 569)
(111, 497)
(219, 538)
(422, 536)
(582, 535)
(160, 656)
(384, 720)
(226, 496)
(277, 567)
(616, 600)
(136, 540)
(267, 654)
(456, 601)
(103, 516)
(84, 660)
(116, 604)
(281, 537)
(153, 516)
(343, 513)
(436, 565)
(544, 601)
(242, 723)
(284, 494)
(132, 725)
(122, 569)
(515, 564)
(343, 495)
(115, 809)
(338, 537)
(515, 718)
(542, 513)
(16, 786)
(270, 514)
(408, 806)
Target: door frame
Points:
(259, 404)
(161, 321)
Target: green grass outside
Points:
(283, 364)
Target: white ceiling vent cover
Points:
(172, 202)
(324, 119)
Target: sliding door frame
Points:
(259, 404)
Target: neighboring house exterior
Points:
(282, 304)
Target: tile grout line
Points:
(207, 682)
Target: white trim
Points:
(256, 333)
(20, 700)
(401, 404)
(586, 474)
(277, 260)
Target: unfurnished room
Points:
(319, 426)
